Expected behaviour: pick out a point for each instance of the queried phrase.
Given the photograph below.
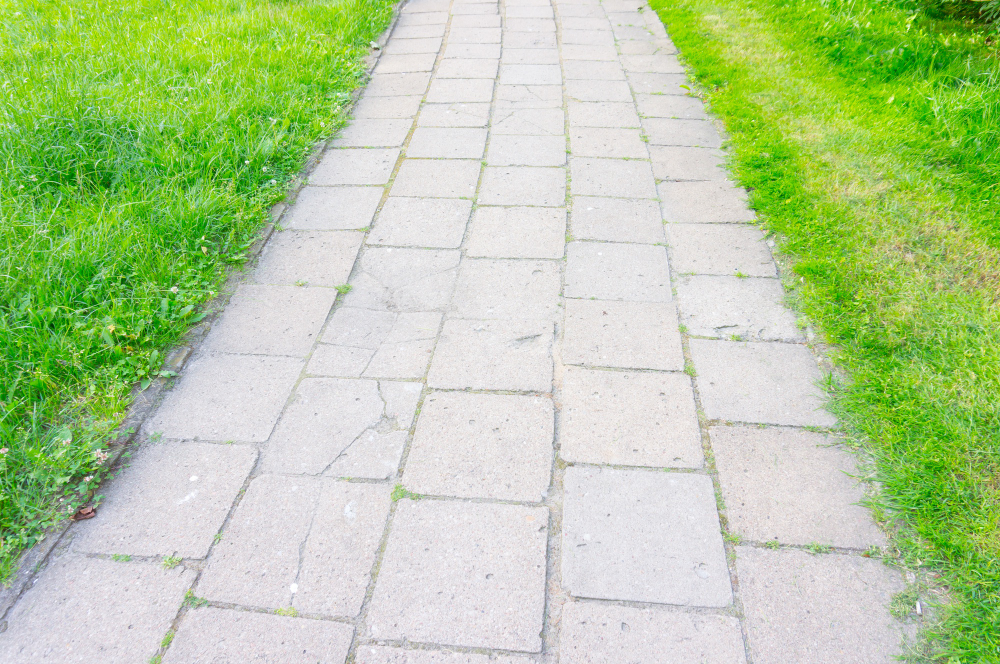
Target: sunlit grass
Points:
(869, 135)
(141, 144)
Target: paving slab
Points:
(391, 85)
(588, 37)
(658, 84)
(604, 52)
(627, 335)
(421, 222)
(629, 418)
(523, 185)
(226, 397)
(374, 133)
(617, 220)
(403, 46)
(468, 68)
(458, 114)
(612, 177)
(495, 446)
(418, 32)
(768, 383)
(493, 355)
(447, 143)
(373, 455)
(271, 320)
(256, 562)
(528, 121)
(671, 162)
(529, 40)
(463, 574)
(333, 208)
(830, 608)
(387, 655)
(450, 90)
(602, 114)
(94, 610)
(506, 289)
(608, 271)
(209, 635)
(617, 143)
(354, 166)
(403, 279)
(526, 150)
(595, 633)
(704, 202)
(728, 249)
(593, 70)
(338, 557)
(471, 51)
(805, 492)
(325, 416)
(643, 536)
(670, 106)
(580, 90)
(171, 500)
(308, 258)
(750, 309)
(694, 133)
(436, 178)
(517, 232)
(531, 56)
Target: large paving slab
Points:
(802, 607)
(627, 335)
(209, 635)
(464, 574)
(170, 501)
(643, 536)
(595, 633)
(610, 271)
(493, 355)
(804, 492)
(94, 610)
(747, 308)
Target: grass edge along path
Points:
(881, 185)
(142, 146)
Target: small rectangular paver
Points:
(593, 70)
(628, 335)
(226, 397)
(728, 249)
(822, 609)
(605, 52)
(602, 114)
(373, 654)
(523, 185)
(355, 166)
(374, 133)
(310, 258)
(513, 39)
(468, 68)
(506, 289)
(271, 320)
(526, 150)
(531, 74)
(531, 24)
(704, 202)
(474, 36)
(421, 222)
(767, 383)
(725, 307)
(629, 418)
(595, 633)
(540, 121)
(94, 610)
(463, 574)
(396, 64)
(458, 114)
(329, 413)
(170, 501)
(693, 133)
(404, 279)
(588, 37)
(609, 271)
(449, 90)
(531, 56)
(391, 85)
(791, 486)
(471, 51)
(338, 557)
(404, 46)
(441, 178)
(493, 355)
(529, 96)
(672, 162)
(257, 560)
(670, 106)
(612, 177)
(617, 220)
(418, 32)
(659, 84)
(447, 143)
(223, 635)
(511, 458)
(333, 208)
(643, 536)
(517, 232)
(579, 90)
(662, 64)
(609, 142)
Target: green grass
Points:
(141, 145)
(869, 135)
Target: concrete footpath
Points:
(561, 415)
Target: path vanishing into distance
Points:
(562, 414)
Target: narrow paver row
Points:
(562, 352)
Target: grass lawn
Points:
(141, 145)
(869, 135)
